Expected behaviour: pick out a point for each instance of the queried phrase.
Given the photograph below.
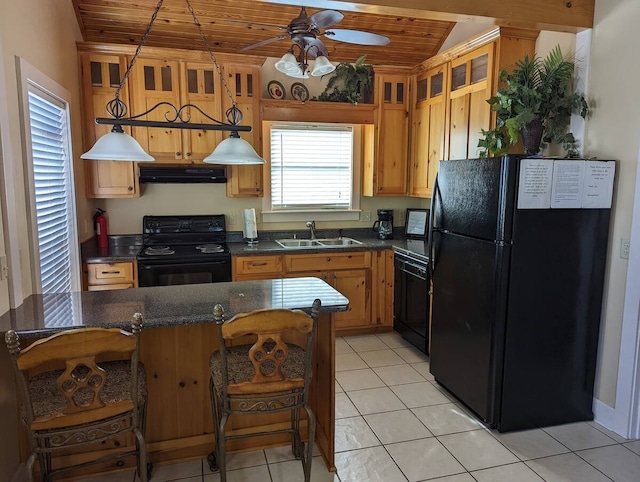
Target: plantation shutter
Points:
(311, 167)
(52, 179)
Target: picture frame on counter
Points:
(416, 223)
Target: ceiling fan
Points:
(305, 32)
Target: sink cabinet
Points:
(365, 277)
(244, 268)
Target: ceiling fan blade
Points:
(249, 24)
(356, 37)
(321, 49)
(264, 42)
(325, 18)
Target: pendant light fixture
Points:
(120, 146)
(297, 66)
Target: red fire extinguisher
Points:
(100, 225)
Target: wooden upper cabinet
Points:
(244, 84)
(101, 75)
(201, 86)
(471, 82)
(427, 130)
(386, 142)
(153, 82)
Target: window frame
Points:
(352, 214)
(31, 79)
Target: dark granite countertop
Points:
(121, 248)
(126, 247)
(417, 247)
(42, 315)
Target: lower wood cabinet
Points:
(365, 277)
(111, 276)
(244, 268)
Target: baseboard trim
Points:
(604, 414)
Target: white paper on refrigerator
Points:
(567, 184)
(598, 184)
(534, 188)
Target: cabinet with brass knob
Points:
(386, 142)
(348, 272)
(101, 76)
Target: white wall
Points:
(44, 34)
(613, 132)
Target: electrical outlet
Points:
(400, 217)
(365, 216)
(233, 219)
(624, 248)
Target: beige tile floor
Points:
(394, 423)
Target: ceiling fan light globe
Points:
(322, 66)
(288, 63)
(117, 146)
(234, 151)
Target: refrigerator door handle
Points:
(432, 221)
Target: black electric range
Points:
(181, 250)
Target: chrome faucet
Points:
(312, 229)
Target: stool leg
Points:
(312, 434)
(29, 468)
(295, 434)
(215, 411)
(142, 455)
(220, 450)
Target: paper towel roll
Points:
(250, 230)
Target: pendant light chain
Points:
(139, 48)
(234, 115)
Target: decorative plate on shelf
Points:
(299, 92)
(276, 90)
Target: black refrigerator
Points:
(517, 297)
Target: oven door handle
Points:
(142, 265)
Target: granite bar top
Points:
(162, 306)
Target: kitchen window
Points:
(49, 167)
(312, 172)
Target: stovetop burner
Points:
(159, 251)
(210, 248)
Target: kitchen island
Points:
(176, 341)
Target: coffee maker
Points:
(384, 225)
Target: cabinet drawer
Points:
(110, 273)
(327, 261)
(254, 265)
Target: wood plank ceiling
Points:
(124, 21)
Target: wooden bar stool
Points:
(269, 375)
(70, 398)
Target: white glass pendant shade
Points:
(288, 64)
(234, 150)
(117, 146)
(322, 66)
(298, 74)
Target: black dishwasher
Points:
(411, 300)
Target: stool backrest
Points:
(269, 353)
(75, 353)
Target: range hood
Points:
(182, 174)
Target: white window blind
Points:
(53, 191)
(311, 167)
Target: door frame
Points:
(627, 410)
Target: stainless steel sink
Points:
(338, 242)
(297, 243)
(317, 243)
